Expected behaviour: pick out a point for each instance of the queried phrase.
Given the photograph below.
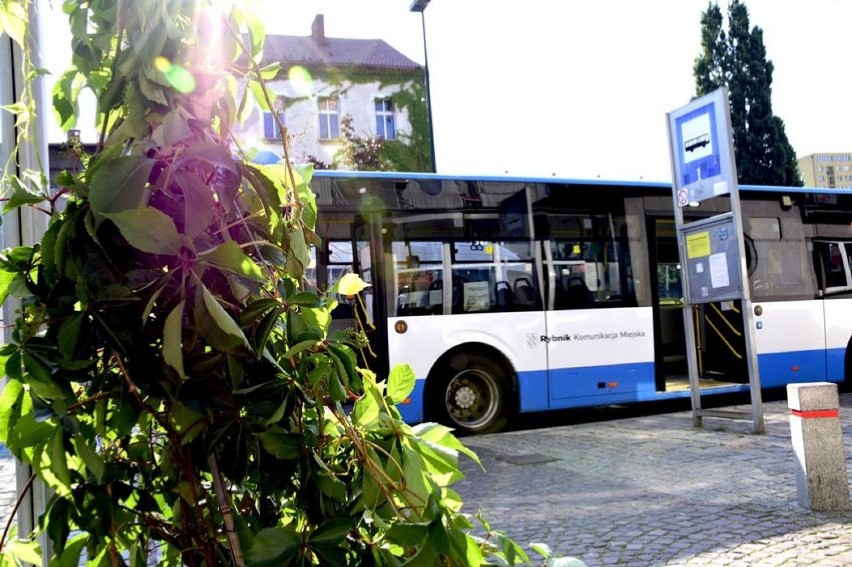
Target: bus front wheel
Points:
(473, 394)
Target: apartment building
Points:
(832, 170)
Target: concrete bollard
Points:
(821, 480)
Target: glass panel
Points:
(849, 255)
(591, 267)
(494, 276)
(670, 283)
(835, 273)
(486, 277)
(390, 129)
(340, 252)
(419, 276)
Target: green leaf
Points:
(212, 154)
(257, 309)
(266, 188)
(10, 401)
(197, 202)
(149, 230)
(366, 410)
(415, 474)
(273, 547)
(317, 317)
(265, 328)
(400, 383)
(7, 276)
(443, 435)
(21, 196)
(70, 556)
(280, 444)
(346, 361)
(333, 531)
(57, 523)
(65, 96)
(306, 195)
(336, 389)
(69, 335)
(93, 461)
(300, 347)
(222, 320)
(229, 256)
(41, 381)
(13, 20)
(270, 71)
(58, 461)
(120, 184)
(464, 549)
(305, 298)
(25, 551)
(258, 91)
(173, 130)
(172, 339)
(256, 31)
(350, 284)
(408, 535)
(332, 486)
(298, 255)
(188, 423)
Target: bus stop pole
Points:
(692, 363)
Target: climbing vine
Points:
(410, 151)
(172, 376)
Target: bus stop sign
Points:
(701, 156)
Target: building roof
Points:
(319, 50)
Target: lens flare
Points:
(179, 78)
(301, 80)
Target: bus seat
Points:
(503, 296)
(524, 293)
(577, 295)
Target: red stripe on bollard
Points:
(810, 414)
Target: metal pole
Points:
(428, 95)
(420, 6)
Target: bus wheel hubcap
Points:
(465, 397)
(472, 398)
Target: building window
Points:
(385, 120)
(271, 131)
(329, 119)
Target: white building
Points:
(322, 81)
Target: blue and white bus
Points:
(511, 295)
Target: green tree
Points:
(172, 376)
(736, 58)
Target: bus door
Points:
(789, 325)
(668, 301)
(599, 343)
(833, 263)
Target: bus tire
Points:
(472, 394)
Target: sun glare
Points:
(301, 80)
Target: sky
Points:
(580, 89)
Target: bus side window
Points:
(832, 266)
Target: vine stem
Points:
(226, 510)
(15, 510)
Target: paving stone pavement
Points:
(655, 491)
(645, 491)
